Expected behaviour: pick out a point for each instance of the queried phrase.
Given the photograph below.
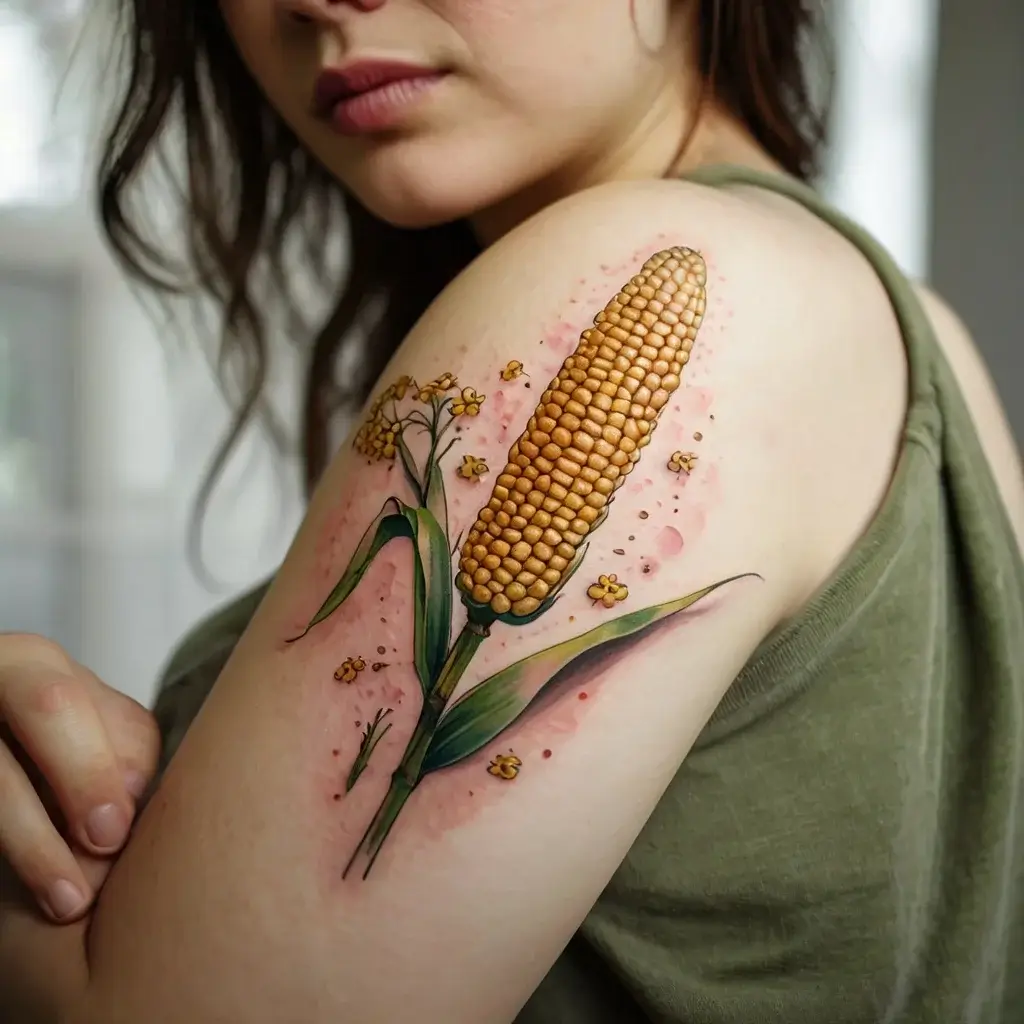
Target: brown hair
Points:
(250, 186)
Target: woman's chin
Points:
(423, 190)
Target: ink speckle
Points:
(527, 385)
(711, 417)
(618, 551)
(646, 569)
(359, 725)
(698, 436)
(378, 665)
(381, 649)
(645, 515)
(572, 618)
(631, 537)
(546, 754)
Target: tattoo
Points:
(372, 735)
(529, 539)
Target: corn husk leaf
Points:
(432, 581)
(489, 708)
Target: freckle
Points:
(359, 725)
(711, 417)
(382, 617)
(572, 618)
(381, 649)
(471, 792)
(546, 754)
(583, 696)
(382, 600)
(337, 796)
(645, 515)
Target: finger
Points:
(34, 849)
(53, 718)
(132, 730)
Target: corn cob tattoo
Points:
(584, 438)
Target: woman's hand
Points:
(75, 756)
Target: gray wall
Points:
(978, 215)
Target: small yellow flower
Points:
(513, 370)
(608, 590)
(682, 462)
(366, 437)
(349, 670)
(505, 766)
(472, 467)
(383, 443)
(436, 388)
(402, 385)
(468, 403)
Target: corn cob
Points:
(586, 434)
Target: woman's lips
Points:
(371, 96)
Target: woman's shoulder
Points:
(800, 348)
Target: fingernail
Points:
(64, 899)
(107, 826)
(136, 783)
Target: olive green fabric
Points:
(844, 844)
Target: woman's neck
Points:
(662, 145)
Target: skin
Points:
(542, 136)
(522, 121)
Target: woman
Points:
(666, 460)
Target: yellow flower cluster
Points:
(472, 467)
(505, 766)
(468, 403)
(377, 438)
(608, 590)
(682, 462)
(436, 388)
(349, 670)
(513, 370)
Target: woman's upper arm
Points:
(480, 777)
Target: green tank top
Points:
(845, 843)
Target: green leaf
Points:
(434, 496)
(487, 710)
(432, 581)
(389, 524)
(432, 569)
(409, 467)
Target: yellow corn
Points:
(584, 437)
